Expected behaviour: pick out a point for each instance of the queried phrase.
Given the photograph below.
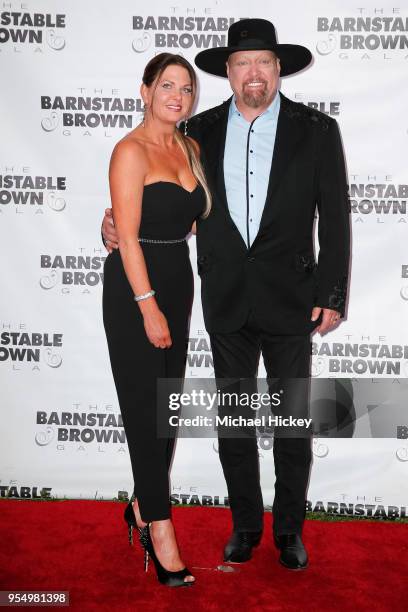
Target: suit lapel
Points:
(289, 133)
(214, 146)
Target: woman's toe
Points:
(189, 579)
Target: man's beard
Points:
(255, 100)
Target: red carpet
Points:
(82, 547)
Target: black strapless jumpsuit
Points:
(168, 212)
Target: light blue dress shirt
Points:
(247, 165)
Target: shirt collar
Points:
(271, 112)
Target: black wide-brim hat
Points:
(253, 35)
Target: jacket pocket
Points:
(305, 262)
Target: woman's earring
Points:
(185, 126)
(144, 110)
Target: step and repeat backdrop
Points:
(71, 73)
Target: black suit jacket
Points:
(277, 277)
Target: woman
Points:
(158, 189)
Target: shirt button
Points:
(251, 172)
(252, 195)
(252, 131)
(251, 151)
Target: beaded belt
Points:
(153, 241)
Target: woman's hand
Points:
(157, 330)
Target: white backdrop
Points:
(54, 159)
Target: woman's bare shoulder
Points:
(130, 145)
(130, 150)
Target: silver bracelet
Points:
(139, 298)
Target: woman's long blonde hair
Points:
(152, 73)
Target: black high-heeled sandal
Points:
(171, 579)
(130, 518)
(164, 576)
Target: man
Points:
(269, 163)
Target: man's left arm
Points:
(333, 228)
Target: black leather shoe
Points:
(293, 553)
(240, 545)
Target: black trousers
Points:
(137, 365)
(236, 355)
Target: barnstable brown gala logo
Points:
(22, 191)
(83, 427)
(34, 349)
(27, 29)
(380, 198)
(378, 32)
(373, 358)
(179, 32)
(67, 271)
(90, 112)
